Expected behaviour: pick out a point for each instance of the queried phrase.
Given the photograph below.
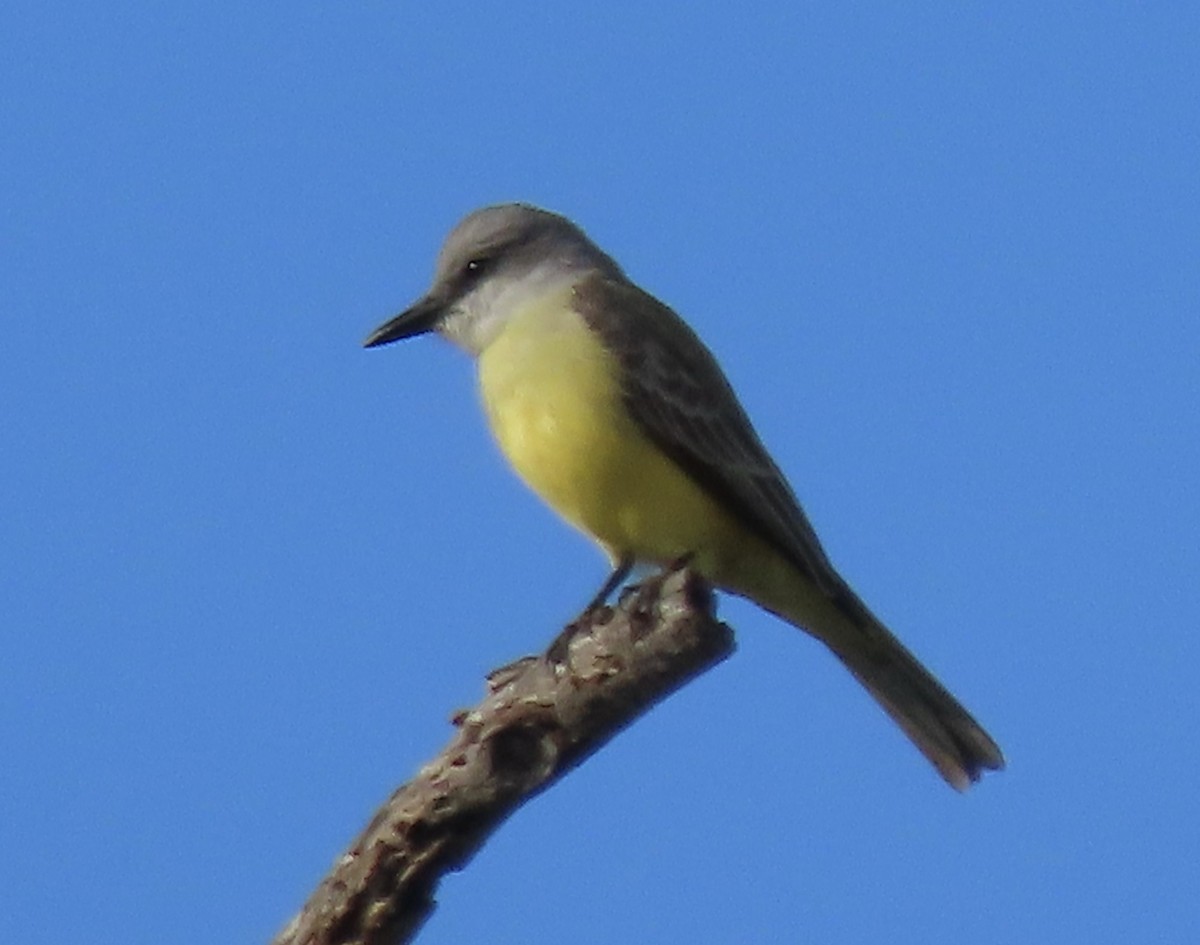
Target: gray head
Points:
(493, 261)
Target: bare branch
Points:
(542, 716)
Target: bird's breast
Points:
(552, 396)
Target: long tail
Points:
(936, 722)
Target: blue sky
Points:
(949, 255)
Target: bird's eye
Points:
(476, 268)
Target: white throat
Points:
(479, 317)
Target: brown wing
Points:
(676, 391)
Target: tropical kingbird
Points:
(615, 413)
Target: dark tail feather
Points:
(936, 722)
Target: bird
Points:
(610, 408)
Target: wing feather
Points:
(677, 393)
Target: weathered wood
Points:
(542, 716)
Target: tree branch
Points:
(543, 715)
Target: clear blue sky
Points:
(950, 257)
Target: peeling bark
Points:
(542, 716)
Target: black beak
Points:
(417, 320)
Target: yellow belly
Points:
(552, 396)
